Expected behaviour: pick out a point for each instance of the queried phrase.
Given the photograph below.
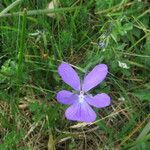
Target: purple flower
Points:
(102, 44)
(80, 101)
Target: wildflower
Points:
(102, 44)
(80, 101)
(52, 5)
(121, 98)
(123, 65)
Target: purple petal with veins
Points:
(96, 76)
(100, 100)
(66, 97)
(69, 76)
(80, 112)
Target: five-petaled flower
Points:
(80, 101)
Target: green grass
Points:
(82, 33)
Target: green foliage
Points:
(8, 70)
(42, 111)
(143, 95)
(83, 33)
(12, 139)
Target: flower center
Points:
(81, 97)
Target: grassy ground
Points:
(82, 33)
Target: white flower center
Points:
(81, 97)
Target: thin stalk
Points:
(21, 48)
(40, 12)
(10, 7)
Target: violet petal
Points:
(69, 76)
(100, 100)
(80, 112)
(96, 76)
(66, 97)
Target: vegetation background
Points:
(35, 40)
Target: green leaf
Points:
(128, 26)
(143, 95)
